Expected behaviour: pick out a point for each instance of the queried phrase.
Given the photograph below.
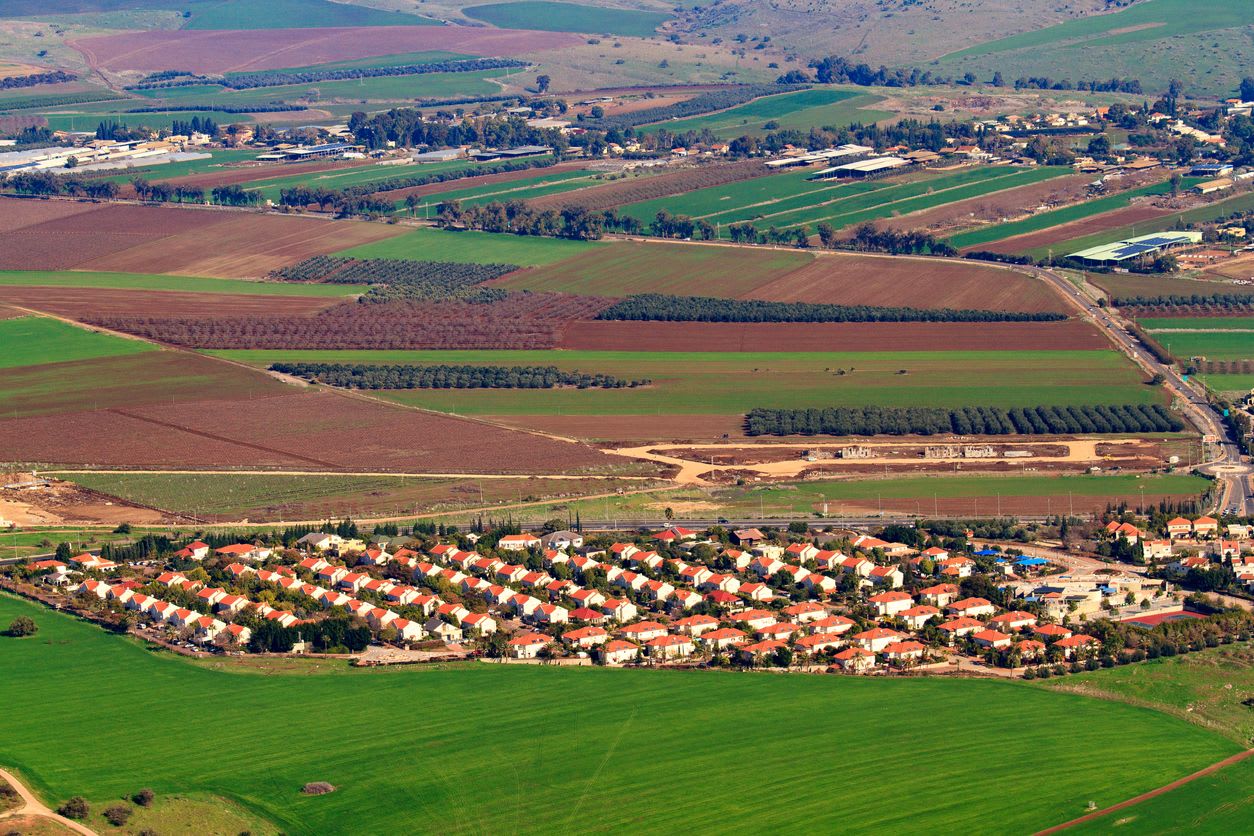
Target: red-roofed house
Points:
(528, 645)
(670, 647)
(586, 637)
(722, 638)
(619, 652)
(644, 631)
(889, 604)
(972, 607)
(518, 542)
(876, 639)
(991, 638)
(916, 617)
(855, 660)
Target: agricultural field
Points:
(786, 276)
(507, 187)
(526, 705)
(36, 340)
(257, 497)
(1215, 338)
(638, 187)
(1127, 285)
(273, 49)
(472, 247)
(1020, 230)
(789, 200)
(802, 110)
(280, 14)
(181, 284)
(567, 17)
(729, 384)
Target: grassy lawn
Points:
(36, 340)
(568, 17)
(473, 247)
(631, 267)
(187, 284)
(804, 109)
(293, 14)
(704, 383)
(486, 732)
(235, 496)
(1055, 217)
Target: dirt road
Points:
(32, 806)
(1123, 805)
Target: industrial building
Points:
(1137, 247)
(510, 153)
(861, 168)
(313, 152)
(849, 150)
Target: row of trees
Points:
(371, 376)
(838, 70)
(869, 238)
(403, 279)
(408, 127)
(519, 218)
(45, 183)
(972, 420)
(659, 307)
(55, 77)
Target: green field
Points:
(234, 496)
(1221, 338)
(802, 110)
(380, 88)
(1237, 385)
(186, 284)
(35, 340)
(789, 200)
(395, 60)
(473, 247)
(632, 267)
(568, 17)
(1055, 217)
(295, 14)
(1210, 212)
(706, 383)
(182, 168)
(553, 182)
(470, 760)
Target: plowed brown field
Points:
(1117, 219)
(629, 428)
(237, 175)
(80, 302)
(18, 213)
(207, 51)
(829, 336)
(915, 283)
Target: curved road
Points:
(32, 806)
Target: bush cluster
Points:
(971, 420)
(664, 308)
(370, 376)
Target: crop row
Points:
(656, 307)
(381, 376)
(971, 420)
(401, 279)
(652, 187)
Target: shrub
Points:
(75, 808)
(22, 626)
(1030, 673)
(318, 788)
(143, 798)
(117, 814)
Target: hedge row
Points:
(971, 420)
(367, 376)
(658, 307)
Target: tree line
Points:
(45, 183)
(836, 69)
(249, 81)
(55, 77)
(516, 217)
(657, 307)
(971, 420)
(379, 376)
(409, 128)
(402, 279)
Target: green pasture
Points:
(1200, 214)
(526, 187)
(801, 110)
(472, 247)
(568, 17)
(1233, 385)
(184, 284)
(36, 340)
(1212, 345)
(293, 14)
(468, 759)
(1055, 217)
(376, 88)
(632, 267)
(401, 59)
(696, 383)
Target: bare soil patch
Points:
(83, 302)
(916, 283)
(19, 213)
(855, 336)
(628, 428)
(65, 502)
(243, 246)
(206, 51)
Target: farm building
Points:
(1136, 247)
(314, 152)
(848, 150)
(510, 153)
(1212, 186)
(1210, 170)
(861, 168)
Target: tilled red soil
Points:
(221, 51)
(237, 175)
(1117, 219)
(853, 336)
(81, 302)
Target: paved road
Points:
(32, 806)
(1229, 467)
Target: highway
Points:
(1230, 468)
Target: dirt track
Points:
(33, 807)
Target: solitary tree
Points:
(23, 626)
(542, 83)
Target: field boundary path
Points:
(32, 806)
(1146, 796)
